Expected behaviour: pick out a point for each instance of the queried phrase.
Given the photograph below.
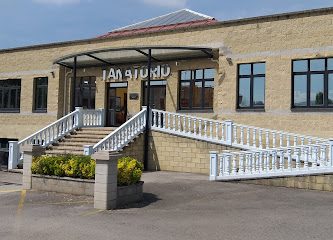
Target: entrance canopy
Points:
(128, 55)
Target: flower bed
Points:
(83, 167)
(75, 175)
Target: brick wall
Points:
(172, 153)
(274, 40)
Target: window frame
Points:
(36, 89)
(17, 89)
(251, 77)
(79, 88)
(308, 74)
(192, 82)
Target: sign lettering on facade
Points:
(156, 72)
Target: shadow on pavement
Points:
(148, 198)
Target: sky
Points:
(29, 22)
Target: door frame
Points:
(116, 85)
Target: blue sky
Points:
(27, 22)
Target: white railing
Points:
(227, 132)
(93, 118)
(293, 161)
(262, 138)
(119, 138)
(52, 133)
(192, 127)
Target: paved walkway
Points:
(176, 206)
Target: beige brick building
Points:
(272, 71)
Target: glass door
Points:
(117, 104)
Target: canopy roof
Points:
(131, 55)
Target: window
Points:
(312, 83)
(10, 95)
(157, 94)
(196, 89)
(40, 94)
(251, 86)
(85, 92)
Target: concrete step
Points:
(87, 136)
(110, 129)
(62, 152)
(74, 144)
(67, 148)
(84, 141)
(94, 132)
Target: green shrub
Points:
(129, 171)
(65, 165)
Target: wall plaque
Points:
(134, 96)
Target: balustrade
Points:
(287, 161)
(55, 131)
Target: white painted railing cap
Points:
(106, 155)
(213, 152)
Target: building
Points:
(272, 71)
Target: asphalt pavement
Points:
(175, 206)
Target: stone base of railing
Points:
(317, 182)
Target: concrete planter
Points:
(75, 186)
(67, 185)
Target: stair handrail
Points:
(119, 138)
(55, 131)
(46, 143)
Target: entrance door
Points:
(117, 104)
(157, 94)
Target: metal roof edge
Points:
(164, 15)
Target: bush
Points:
(129, 171)
(64, 166)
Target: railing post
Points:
(331, 152)
(13, 157)
(213, 165)
(150, 114)
(88, 150)
(102, 122)
(229, 131)
(79, 117)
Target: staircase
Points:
(75, 142)
(258, 152)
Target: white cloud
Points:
(56, 2)
(167, 3)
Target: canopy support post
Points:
(146, 141)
